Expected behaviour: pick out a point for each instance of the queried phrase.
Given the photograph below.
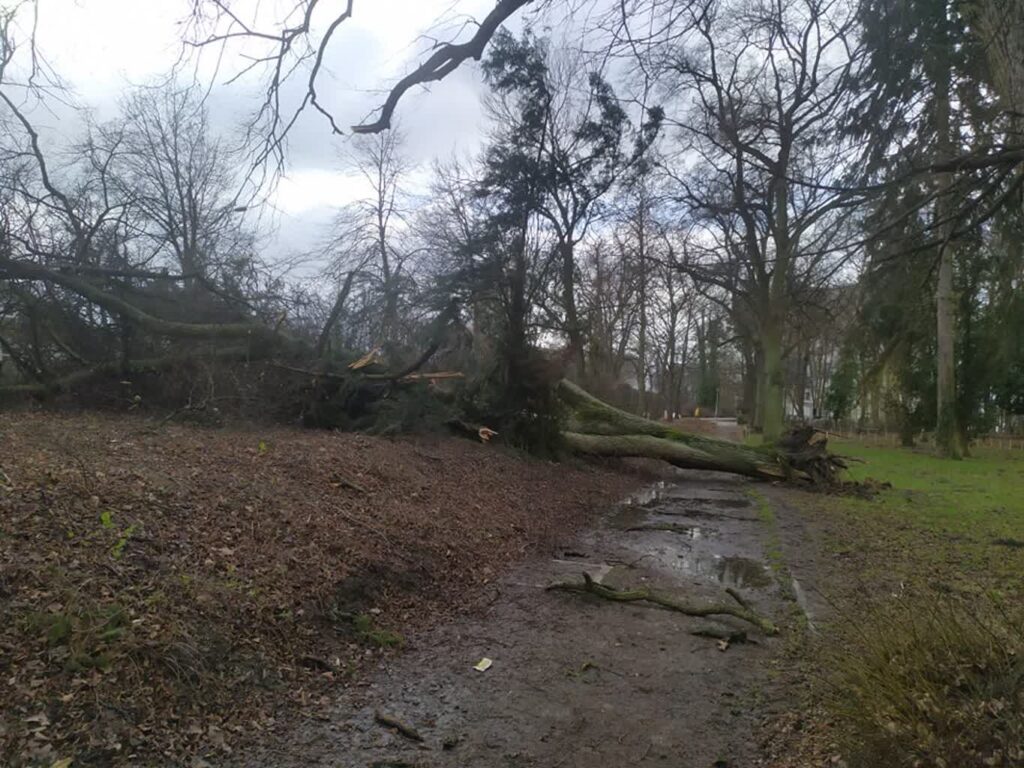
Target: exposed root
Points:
(643, 594)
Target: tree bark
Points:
(599, 429)
(946, 431)
(572, 317)
(773, 378)
(332, 318)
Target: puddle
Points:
(646, 496)
(741, 572)
(662, 493)
(714, 501)
(688, 531)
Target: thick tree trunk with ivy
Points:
(599, 429)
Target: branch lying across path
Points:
(390, 721)
(599, 429)
(741, 611)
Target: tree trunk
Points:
(800, 390)
(946, 431)
(336, 310)
(749, 382)
(572, 318)
(599, 429)
(773, 377)
(641, 363)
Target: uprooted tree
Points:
(128, 278)
(331, 394)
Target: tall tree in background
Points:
(761, 89)
(181, 181)
(572, 142)
(370, 236)
(922, 108)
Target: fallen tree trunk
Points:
(70, 381)
(599, 429)
(677, 453)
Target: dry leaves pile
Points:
(168, 593)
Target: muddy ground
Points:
(579, 681)
(170, 592)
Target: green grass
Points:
(986, 489)
(924, 649)
(946, 525)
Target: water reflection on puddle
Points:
(663, 494)
(741, 572)
(646, 496)
(652, 510)
(693, 532)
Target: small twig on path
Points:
(629, 563)
(389, 721)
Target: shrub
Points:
(931, 684)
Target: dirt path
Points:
(577, 681)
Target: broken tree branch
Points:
(643, 594)
(116, 368)
(442, 62)
(253, 331)
(390, 721)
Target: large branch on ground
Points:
(599, 429)
(250, 331)
(118, 367)
(740, 611)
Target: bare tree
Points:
(295, 47)
(181, 183)
(371, 236)
(767, 83)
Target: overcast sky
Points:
(102, 47)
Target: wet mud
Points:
(574, 680)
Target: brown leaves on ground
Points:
(167, 592)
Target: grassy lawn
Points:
(921, 662)
(943, 525)
(983, 494)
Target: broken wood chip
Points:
(390, 721)
(367, 359)
(725, 634)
